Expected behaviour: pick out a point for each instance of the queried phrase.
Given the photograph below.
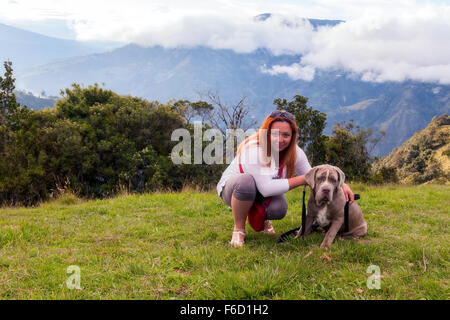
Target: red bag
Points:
(258, 212)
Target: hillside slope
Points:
(425, 157)
(28, 49)
(401, 110)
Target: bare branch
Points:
(224, 117)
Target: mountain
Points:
(316, 23)
(155, 73)
(425, 157)
(33, 102)
(27, 49)
(161, 74)
(400, 110)
(49, 64)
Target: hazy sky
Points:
(380, 39)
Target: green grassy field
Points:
(176, 246)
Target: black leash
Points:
(303, 212)
(285, 235)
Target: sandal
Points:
(268, 228)
(236, 242)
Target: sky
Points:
(380, 40)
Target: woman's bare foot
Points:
(237, 240)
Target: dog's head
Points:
(324, 182)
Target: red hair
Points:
(288, 157)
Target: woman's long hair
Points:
(288, 156)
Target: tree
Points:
(348, 149)
(8, 103)
(311, 124)
(189, 110)
(223, 117)
(94, 143)
(10, 111)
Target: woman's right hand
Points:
(296, 181)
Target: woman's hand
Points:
(296, 181)
(348, 193)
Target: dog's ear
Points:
(341, 176)
(310, 177)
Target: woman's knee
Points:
(277, 208)
(245, 188)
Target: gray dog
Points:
(326, 205)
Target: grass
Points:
(175, 246)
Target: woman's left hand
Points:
(349, 195)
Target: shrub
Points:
(446, 153)
(384, 175)
(95, 143)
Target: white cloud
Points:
(381, 40)
(388, 47)
(241, 34)
(295, 71)
(382, 45)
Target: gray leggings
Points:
(243, 187)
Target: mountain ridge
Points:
(161, 74)
(156, 73)
(17, 44)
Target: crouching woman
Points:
(270, 163)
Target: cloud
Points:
(378, 42)
(381, 40)
(294, 71)
(241, 33)
(386, 47)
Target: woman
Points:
(256, 168)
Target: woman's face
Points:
(280, 135)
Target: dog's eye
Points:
(333, 180)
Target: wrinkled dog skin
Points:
(326, 205)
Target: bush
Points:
(446, 153)
(384, 175)
(95, 143)
(347, 149)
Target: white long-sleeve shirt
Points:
(265, 177)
